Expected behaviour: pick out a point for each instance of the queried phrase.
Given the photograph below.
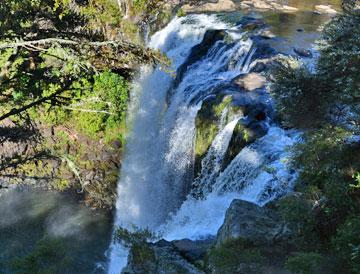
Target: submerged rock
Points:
(253, 223)
(249, 23)
(303, 52)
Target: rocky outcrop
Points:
(253, 223)
(59, 158)
(208, 120)
(325, 9)
(233, 5)
(254, 125)
(161, 258)
(194, 250)
(211, 6)
(197, 52)
(250, 82)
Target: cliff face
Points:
(60, 158)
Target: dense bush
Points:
(234, 255)
(49, 256)
(347, 242)
(305, 263)
(103, 109)
(301, 96)
(328, 159)
(339, 61)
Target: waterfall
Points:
(154, 190)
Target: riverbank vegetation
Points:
(64, 89)
(325, 103)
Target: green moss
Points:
(180, 13)
(241, 137)
(207, 126)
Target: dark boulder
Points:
(193, 250)
(303, 52)
(197, 52)
(252, 223)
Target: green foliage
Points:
(115, 90)
(347, 242)
(305, 263)
(102, 13)
(136, 236)
(339, 61)
(104, 109)
(328, 164)
(180, 13)
(48, 257)
(297, 211)
(302, 98)
(229, 256)
(142, 255)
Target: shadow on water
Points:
(46, 232)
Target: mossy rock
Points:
(161, 257)
(207, 124)
(242, 136)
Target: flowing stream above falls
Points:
(157, 177)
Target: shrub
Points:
(305, 263)
(347, 243)
(233, 254)
(301, 96)
(339, 61)
(49, 256)
(297, 211)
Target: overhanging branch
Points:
(16, 111)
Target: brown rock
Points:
(250, 82)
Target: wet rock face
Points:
(253, 223)
(208, 120)
(93, 176)
(198, 51)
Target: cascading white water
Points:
(258, 174)
(145, 197)
(212, 162)
(156, 174)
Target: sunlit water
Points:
(157, 174)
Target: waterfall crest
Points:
(157, 177)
